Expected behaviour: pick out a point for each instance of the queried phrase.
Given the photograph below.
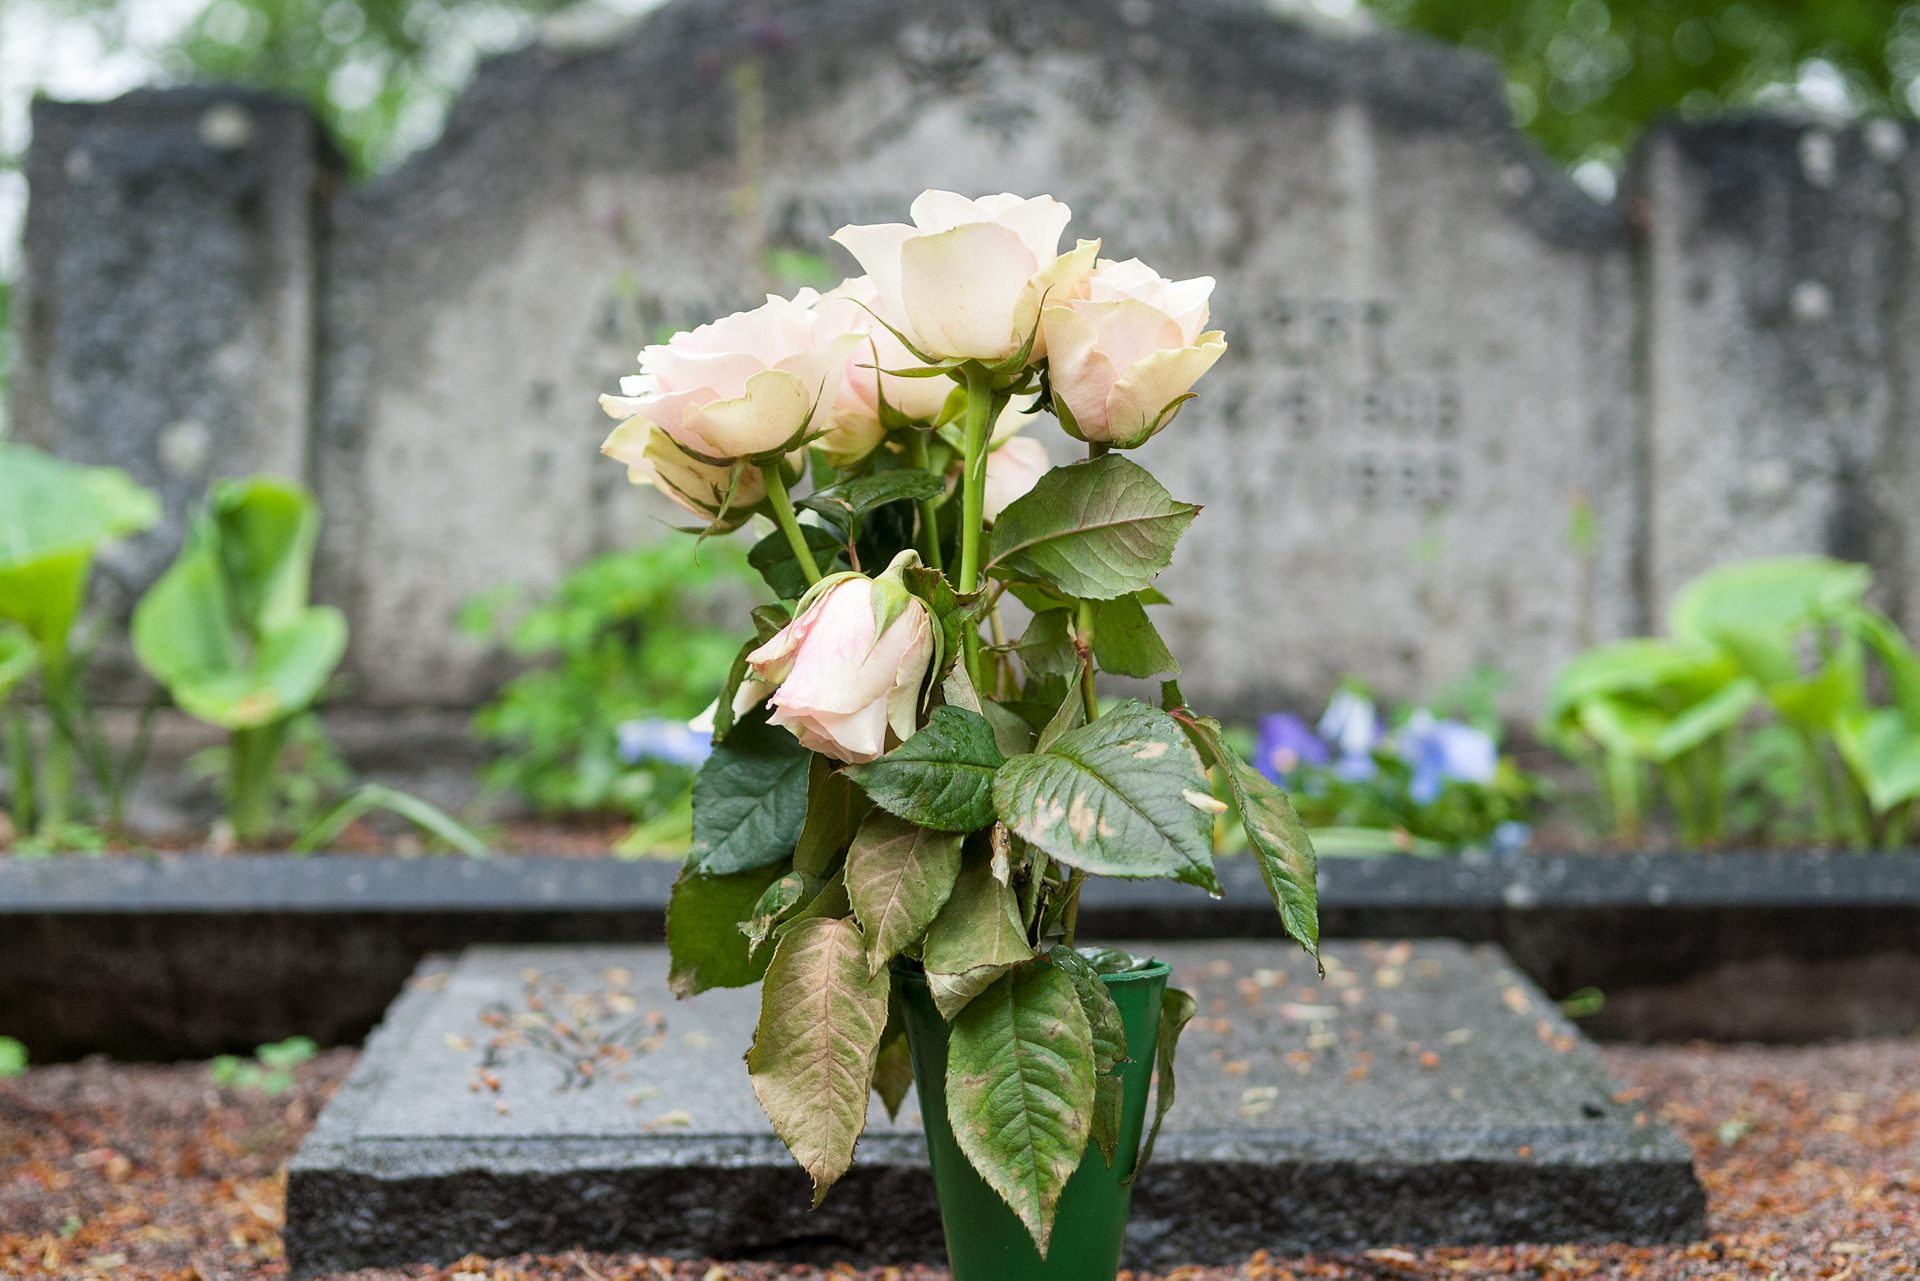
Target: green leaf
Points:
(1011, 733)
(13, 1058)
(227, 628)
(705, 947)
(1275, 835)
(815, 1048)
(17, 657)
(1046, 648)
(898, 878)
(1126, 643)
(53, 517)
(835, 810)
(1093, 531)
(942, 777)
(773, 559)
(750, 800)
(777, 905)
(1125, 796)
(893, 1070)
(859, 495)
(1883, 752)
(977, 936)
(1109, 1046)
(1177, 1009)
(1020, 1090)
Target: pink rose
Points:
(966, 280)
(1121, 359)
(745, 386)
(857, 429)
(653, 458)
(847, 670)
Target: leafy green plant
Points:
(619, 640)
(13, 1058)
(1760, 705)
(902, 801)
(229, 631)
(54, 519)
(270, 1070)
(371, 797)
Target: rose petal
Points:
(959, 289)
(775, 406)
(877, 249)
(1149, 385)
(1060, 281)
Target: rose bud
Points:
(652, 458)
(845, 674)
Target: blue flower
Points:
(1439, 752)
(1511, 837)
(1285, 743)
(669, 742)
(1353, 727)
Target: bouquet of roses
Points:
(902, 803)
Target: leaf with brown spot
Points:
(822, 1013)
(1112, 798)
(899, 877)
(1020, 1090)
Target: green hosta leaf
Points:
(1177, 1009)
(1094, 530)
(1124, 796)
(1753, 609)
(227, 628)
(705, 947)
(1126, 643)
(898, 878)
(1275, 835)
(17, 657)
(1046, 649)
(859, 495)
(814, 1051)
(1883, 752)
(977, 936)
(53, 517)
(1020, 1090)
(773, 559)
(750, 800)
(942, 777)
(781, 901)
(1109, 1047)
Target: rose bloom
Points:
(966, 280)
(847, 670)
(857, 429)
(1121, 358)
(743, 386)
(654, 458)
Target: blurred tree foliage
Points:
(1585, 77)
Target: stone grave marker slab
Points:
(545, 1098)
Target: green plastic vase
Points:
(985, 1241)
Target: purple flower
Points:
(669, 742)
(1353, 727)
(1284, 744)
(1440, 752)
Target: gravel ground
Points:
(1811, 1158)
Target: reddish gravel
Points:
(1811, 1159)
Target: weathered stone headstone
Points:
(168, 296)
(531, 1099)
(1468, 415)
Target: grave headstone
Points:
(544, 1098)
